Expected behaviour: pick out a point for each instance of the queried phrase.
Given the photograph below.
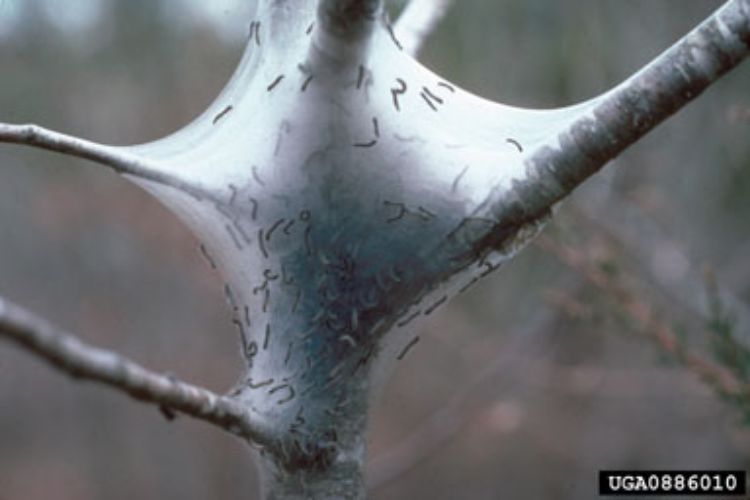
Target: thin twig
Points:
(626, 223)
(70, 355)
(418, 20)
(117, 159)
(643, 316)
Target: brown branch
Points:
(418, 20)
(629, 226)
(68, 354)
(620, 117)
(644, 318)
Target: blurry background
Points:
(522, 388)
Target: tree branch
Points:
(113, 157)
(632, 230)
(418, 20)
(348, 19)
(620, 117)
(644, 319)
(68, 354)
